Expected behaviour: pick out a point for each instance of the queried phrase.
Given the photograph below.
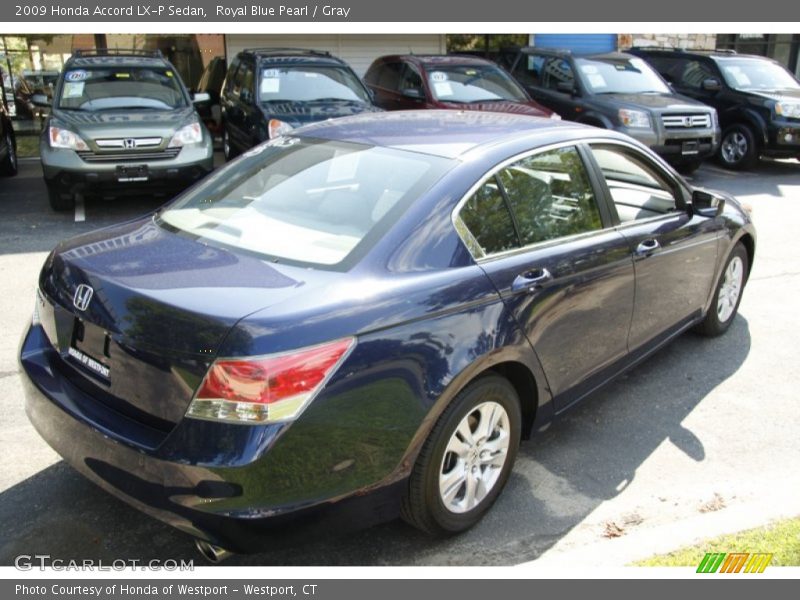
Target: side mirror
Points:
(41, 100)
(707, 204)
(200, 97)
(412, 93)
(711, 84)
(565, 87)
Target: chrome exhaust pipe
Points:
(212, 553)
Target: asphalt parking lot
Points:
(703, 427)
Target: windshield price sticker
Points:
(76, 75)
(438, 76)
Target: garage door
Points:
(580, 43)
(358, 50)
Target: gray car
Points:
(122, 123)
(621, 92)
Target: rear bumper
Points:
(223, 502)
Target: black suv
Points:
(8, 142)
(757, 99)
(619, 91)
(269, 91)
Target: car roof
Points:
(115, 60)
(447, 133)
(720, 54)
(294, 55)
(443, 59)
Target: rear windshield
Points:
(744, 74)
(477, 83)
(310, 83)
(620, 76)
(305, 201)
(121, 88)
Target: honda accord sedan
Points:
(363, 318)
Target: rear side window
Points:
(486, 223)
(538, 198)
(551, 196)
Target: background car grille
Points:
(93, 157)
(686, 121)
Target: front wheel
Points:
(9, 165)
(728, 295)
(467, 459)
(227, 149)
(738, 148)
(689, 167)
(60, 201)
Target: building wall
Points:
(702, 41)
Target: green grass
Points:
(781, 538)
(27, 145)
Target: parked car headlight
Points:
(634, 118)
(64, 138)
(788, 109)
(188, 134)
(278, 128)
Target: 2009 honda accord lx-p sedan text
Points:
(362, 319)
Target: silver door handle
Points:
(647, 247)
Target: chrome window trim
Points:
(455, 216)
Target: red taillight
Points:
(266, 389)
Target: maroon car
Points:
(407, 82)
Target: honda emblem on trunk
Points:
(83, 295)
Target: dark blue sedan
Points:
(363, 318)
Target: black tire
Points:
(689, 167)
(714, 324)
(10, 165)
(227, 148)
(738, 148)
(423, 506)
(60, 201)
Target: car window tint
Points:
(528, 69)
(486, 225)
(411, 79)
(246, 92)
(668, 67)
(694, 74)
(638, 189)
(551, 196)
(231, 76)
(391, 76)
(556, 70)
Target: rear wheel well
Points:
(524, 383)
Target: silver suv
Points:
(122, 122)
(622, 92)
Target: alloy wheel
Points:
(734, 147)
(730, 289)
(474, 457)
